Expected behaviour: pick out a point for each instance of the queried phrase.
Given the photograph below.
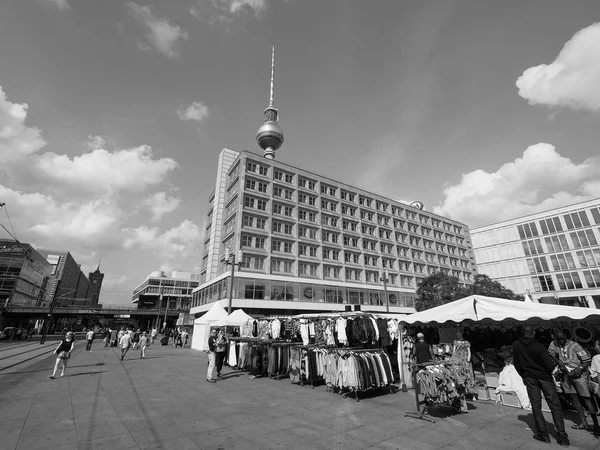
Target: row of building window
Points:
(259, 242)
(333, 222)
(567, 281)
(565, 261)
(291, 291)
(559, 243)
(332, 191)
(285, 266)
(573, 221)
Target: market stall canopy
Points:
(238, 317)
(216, 313)
(478, 308)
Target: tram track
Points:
(2, 357)
(44, 353)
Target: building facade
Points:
(24, 275)
(553, 255)
(310, 243)
(68, 284)
(163, 293)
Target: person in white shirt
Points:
(153, 335)
(184, 337)
(124, 343)
(90, 339)
(595, 371)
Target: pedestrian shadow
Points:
(86, 373)
(529, 421)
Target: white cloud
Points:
(196, 112)
(94, 142)
(62, 5)
(572, 80)
(540, 180)
(163, 35)
(83, 202)
(44, 218)
(223, 12)
(105, 172)
(112, 281)
(180, 241)
(160, 204)
(17, 140)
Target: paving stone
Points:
(163, 403)
(215, 439)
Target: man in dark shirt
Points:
(422, 350)
(535, 366)
(212, 347)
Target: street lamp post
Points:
(384, 276)
(230, 260)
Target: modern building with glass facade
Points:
(310, 243)
(24, 275)
(68, 285)
(161, 291)
(553, 255)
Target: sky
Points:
(112, 114)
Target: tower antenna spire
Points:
(272, 76)
(270, 136)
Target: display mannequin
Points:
(461, 355)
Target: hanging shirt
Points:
(304, 331)
(276, 329)
(341, 330)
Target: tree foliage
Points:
(439, 289)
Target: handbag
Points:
(64, 355)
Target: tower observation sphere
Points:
(269, 136)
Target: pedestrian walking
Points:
(144, 341)
(184, 337)
(221, 351)
(212, 346)
(573, 361)
(90, 340)
(153, 335)
(125, 343)
(63, 353)
(533, 363)
(135, 339)
(175, 337)
(114, 338)
(106, 337)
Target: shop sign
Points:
(309, 293)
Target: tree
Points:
(438, 289)
(484, 285)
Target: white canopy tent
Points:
(478, 308)
(202, 325)
(237, 318)
(481, 309)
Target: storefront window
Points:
(334, 295)
(279, 291)
(354, 296)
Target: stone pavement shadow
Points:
(45, 369)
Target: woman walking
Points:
(144, 341)
(63, 353)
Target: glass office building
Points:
(553, 255)
(309, 243)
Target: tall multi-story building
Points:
(554, 255)
(306, 242)
(24, 275)
(68, 284)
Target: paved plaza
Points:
(164, 402)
